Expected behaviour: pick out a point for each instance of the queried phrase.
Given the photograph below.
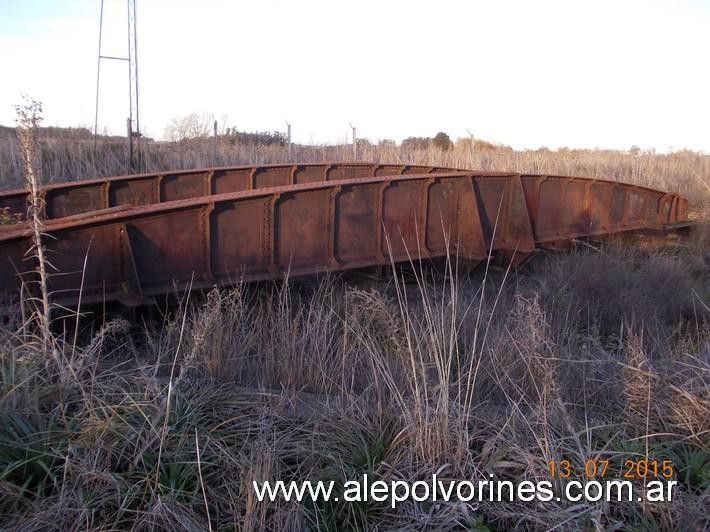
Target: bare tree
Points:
(192, 126)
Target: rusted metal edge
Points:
(75, 197)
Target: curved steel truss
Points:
(130, 238)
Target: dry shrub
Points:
(638, 390)
(660, 402)
(221, 335)
(304, 347)
(605, 288)
(523, 359)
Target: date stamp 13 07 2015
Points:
(630, 468)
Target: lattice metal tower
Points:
(133, 125)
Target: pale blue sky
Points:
(552, 72)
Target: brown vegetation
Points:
(595, 353)
(65, 159)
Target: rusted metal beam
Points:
(70, 198)
(134, 253)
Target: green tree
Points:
(442, 141)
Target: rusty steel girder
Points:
(132, 253)
(76, 197)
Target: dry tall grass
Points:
(63, 159)
(164, 423)
(460, 376)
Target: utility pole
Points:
(135, 159)
(354, 143)
(98, 77)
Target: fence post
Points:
(354, 143)
(214, 145)
(288, 134)
(129, 134)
